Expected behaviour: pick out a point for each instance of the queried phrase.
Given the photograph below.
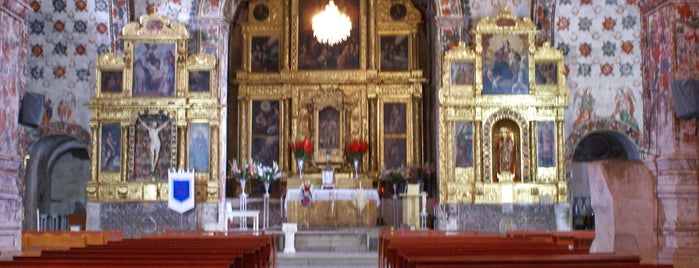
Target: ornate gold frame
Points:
(183, 108)
(468, 103)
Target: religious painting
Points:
(110, 154)
(199, 81)
(394, 118)
(112, 81)
(199, 147)
(505, 64)
(265, 115)
(154, 70)
(154, 146)
(312, 55)
(329, 129)
(546, 144)
(546, 73)
(463, 144)
(394, 53)
(264, 54)
(265, 150)
(394, 152)
(462, 73)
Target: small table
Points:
(244, 215)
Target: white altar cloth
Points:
(294, 195)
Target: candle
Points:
(424, 201)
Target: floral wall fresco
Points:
(13, 54)
(600, 41)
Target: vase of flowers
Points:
(301, 149)
(356, 150)
(267, 174)
(421, 174)
(243, 172)
(395, 177)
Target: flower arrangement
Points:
(301, 148)
(356, 148)
(268, 173)
(243, 171)
(394, 175)
(421, 172)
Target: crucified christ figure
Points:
(154, 146)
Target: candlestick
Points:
(424, 201)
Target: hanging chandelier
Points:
(330, 26)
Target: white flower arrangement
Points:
(268, 173)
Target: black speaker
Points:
(32, 110)
(685, 94)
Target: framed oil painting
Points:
(110, 154)
(199, 147)
(265, 149)
(264, 54)
(505, 64)
(154, 146)
(546, 144)
(265, 131)
(462, 73)
(329, 129)
(112, 81)
(394, 115)
(394, 53)
(463, 144)
(546, 73)
(313, 55)
(199, 81)
(394, 152)
(154, 70)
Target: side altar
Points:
(501, 114)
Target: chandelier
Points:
(330, 26)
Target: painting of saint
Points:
(154, 70)
(462, 73)
(111, 82)
(329, 129)
(394, 118)
(394, 152)
(111, 148)
(505, 64)
(312, 55)
(546, 73)
(265, 150)
(394, 53)
(463, 147)
(199, 81)
(265, 116)
(199, 147)
(546, 144)
(264, 54)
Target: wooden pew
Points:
(33, 242)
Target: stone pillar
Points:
(289, 230)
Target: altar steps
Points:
(344, 247)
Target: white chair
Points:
(243, 215)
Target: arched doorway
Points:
(598, 145)
(57, 170)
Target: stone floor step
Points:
(328, 259)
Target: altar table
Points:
(333, 208)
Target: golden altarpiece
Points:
(501, 113)
(156, 109)
(368, 87)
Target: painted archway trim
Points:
(596, 125)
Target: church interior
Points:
(495, 116)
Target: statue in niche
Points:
(506, 155)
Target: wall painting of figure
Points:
(264, 54)
(154, 135)
(394, 53)
(546, 144)
(111, 81)
(154, 70)
(394, 118)
(505, 64)
(329, 129)
(265, 131)
(313, 55)
(110, 148)
(546, 73)
(463, 144)
(199, 147)
(462, 73)
(199, 81)
(394, 152)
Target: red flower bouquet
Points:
(301, 148)
(356, 148)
